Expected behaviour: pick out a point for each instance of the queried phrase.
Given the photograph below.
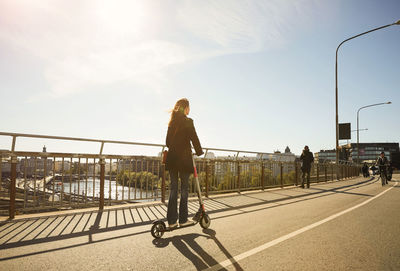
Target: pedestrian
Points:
(365, 170)
(306, 159)
(179, 161)
(390, 171)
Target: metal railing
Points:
(38, 181)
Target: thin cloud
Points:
(86, 44)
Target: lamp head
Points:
(398, 22)
(388, 102)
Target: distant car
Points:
(374, 170)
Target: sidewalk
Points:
(158, 205)
(193, 205)
(46, 227)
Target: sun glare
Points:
(125, 17)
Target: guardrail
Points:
(38, 181)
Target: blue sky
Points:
(259, 74)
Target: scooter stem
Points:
(196, 177)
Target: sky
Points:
(259, 75)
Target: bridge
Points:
(260, 218)
(337, 225)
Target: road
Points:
(346, 225)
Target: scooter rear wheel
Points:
(205, 221)
(157, 230)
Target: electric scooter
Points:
(159, 227)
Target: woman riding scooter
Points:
(179, 161)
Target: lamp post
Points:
(336, 82)
(365, 129)
(358, 111)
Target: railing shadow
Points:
(70, 246)
(60, 227)
(310, 196)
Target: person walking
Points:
(179, 161)
(365, 170)
(390, 171)
(382, 163)
(306, 159)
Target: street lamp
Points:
(365, 129)
(358, 111)
(336, 82)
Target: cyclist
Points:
(382, 163)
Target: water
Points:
(116, 191)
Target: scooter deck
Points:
(180, 227)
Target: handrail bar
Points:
(79, 139)
(163, 146)
(14, 135)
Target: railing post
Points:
(262, 175)
(163, 183)
(1, 168)
(296, 173)
(281, 174)
(13, 189)
(317, 172)
(342, 172)
(326, 172)
(238, 176)
(102, 179)
(207, 173)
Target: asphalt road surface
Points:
(346, 225)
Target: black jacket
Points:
(381, 162)
(306, 159)
(180, 133)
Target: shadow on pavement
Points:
(312, 195)
(50, 229)
(200, 259)
(70, 246)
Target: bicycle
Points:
(383, 174)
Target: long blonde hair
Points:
(179, 107)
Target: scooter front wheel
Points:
(205, 221)
(157, 230)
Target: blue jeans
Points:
(172, 214)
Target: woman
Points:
(179, 162)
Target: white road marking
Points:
(292, 234)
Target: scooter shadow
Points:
(200, 259)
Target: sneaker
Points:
(187, 223)
(173, 226)
(196, 217)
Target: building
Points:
(369, 152)
(287, 156)
(35, 166)
(325, 156)
(60, 166)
